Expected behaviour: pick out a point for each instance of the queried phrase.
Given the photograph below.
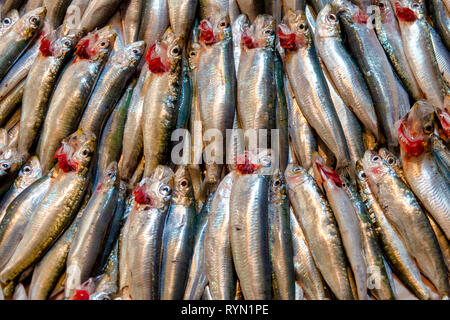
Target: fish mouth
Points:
(411, 145)
(207, 35)
(141, 196)
(64, 156)
(247, 40)
(404, 14)
(154, 58)
(244, 165)
(329, 174)
(287, 38)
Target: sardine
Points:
(131, 20)
(56, 10)
(181, 17)
(8, 21)
(97, 14)
(72, 92)
(441, 18)
(11, 102)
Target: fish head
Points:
(277, 191)
(75, 153)
(409, 10)
(57, 46)
(194, 55)
(10, 162)
(296, 175)
(165, 54)
(415, 128)
(110, 177)
(240, 24)
(100, 296)
(141, 194)
(390, 158)
(375, 167)
(323, 174)
(256, 161)
(261, 34)
(164, 174)
(327, 22)
(361, 177)
(30, 23)
(350, 12)
(96, 45)
(214, 29)
(294, 32)
(386, 11)
(29, 173)
(444, 117)
(183, 193)
(9, 20)
(130, 55)
(160, 194)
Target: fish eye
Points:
(223, 24)
(67, 43)
(7, 21)
(27, 169)
(302, 27)
(165, 190)
(268, 32)
(297, 169)
(362, 174)
(391, 160)
(136, 51)
(376, 158)
(175, 51)
(85, 153)
(416, 5)
(332, 17)
(104, 44)
(5, 166)
(428, 128)
(34, 20)
(184, 183)
(277, 183)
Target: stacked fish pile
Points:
(339, 188)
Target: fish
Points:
(391, 243)
(197, 278)
(107, 286)
(18, 214)
(124, 275)
(91, 233)
(256, 90)
(216, 89)
(133, 139)
(131, 13)
(420, 169)
(419, 51)
(11, 102)
(27, 176)
(110, 85)
(442, 56)
(404, 212)
(379, 279)
(281, 116)
(48, 271)
(249, 226)
(97, 14)
(54, 51)
(306, 271)
(72, 93)
(161, 99)
(111, 141)
(10, 163)
(74, 14)
(154, 22)
(441, 155)
(318, 5)
(56, 11)
(315, 101)
(317, 220)
(375, 66)
(293, 5)
(8, 21)
(178, 238)
(304, 142)
(251, 8)
(9, 5)
(218, 256)
(388, 32)
(181, 17)
(56, 209)
(441, 18)
(17, 39)
(280, 239)
(223, 7)
(237, 28)
(347, 220)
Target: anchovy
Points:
(56, 10)
(154, 22)
(181, 17)
(10, 103)
(442, 56)
(131, 17)
(97, 14)
(9, 20)
(108, 286)
(441, 18)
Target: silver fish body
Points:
(181, 16)
(97, 14)
(56, 10)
